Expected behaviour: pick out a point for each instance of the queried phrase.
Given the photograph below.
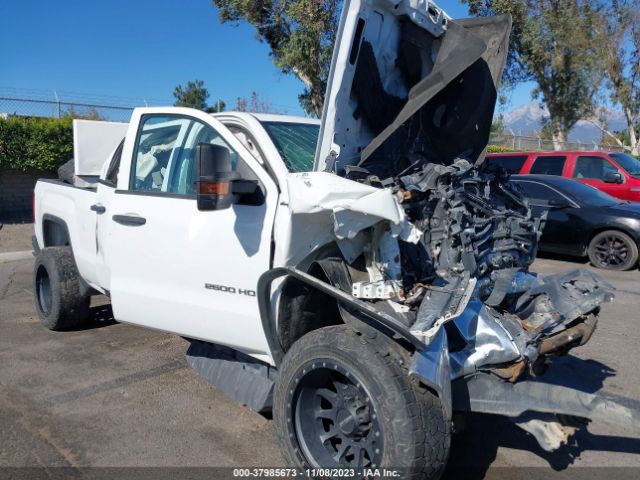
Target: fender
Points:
(430, 362)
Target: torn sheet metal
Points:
(328, 207)
(488, 341)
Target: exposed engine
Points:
(469, 271)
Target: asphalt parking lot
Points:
(117, 395)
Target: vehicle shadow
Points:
(571, 259)
(99, 316)
(475, 446)
(573, 372)
(474, 450)
(563, 258)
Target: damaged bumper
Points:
(487, 394)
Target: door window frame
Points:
(531, 201)
(602, 157)
(556, 155)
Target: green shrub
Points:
(39, 143)
(501, 149)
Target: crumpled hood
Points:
(409, 84)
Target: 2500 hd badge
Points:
(222, 288)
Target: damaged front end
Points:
(457, 276)
(435, 249)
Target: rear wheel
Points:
(613, 250)
(59, 299)
(345, 401)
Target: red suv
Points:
(617, 174)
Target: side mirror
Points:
(613, 177)
(214, 177)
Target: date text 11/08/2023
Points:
(316, 473)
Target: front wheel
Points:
(613, 250)
(344, 401)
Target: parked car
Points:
(584, 221)
(615, 173)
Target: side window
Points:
(164, 160)
(539, 194)
(548, 165)
(595, 168)
(512, 164)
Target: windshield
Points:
(588, 195)
(629, 163)
(296, 143)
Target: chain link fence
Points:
(58, 108)
(48, 104)
(526, 143)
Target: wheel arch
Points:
(303, 308)
(615, 228)
(55, 232)
(333, 281)
(428, 364)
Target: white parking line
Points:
(15, 256)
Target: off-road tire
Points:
(415, 430)
(59, 299)
(620, 241)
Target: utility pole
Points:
(55, 94)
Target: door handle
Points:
(129, 220)
(98, 208)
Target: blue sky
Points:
(137, 50)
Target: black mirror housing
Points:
(613, 177)
(215, 174)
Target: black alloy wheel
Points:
(613, 250)
(335, 418)
(345, 401)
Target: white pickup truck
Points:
(361, 277)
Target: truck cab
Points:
(138, 235)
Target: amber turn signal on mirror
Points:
(214, 188)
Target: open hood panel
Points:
(409, 85)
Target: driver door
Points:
(171, 266)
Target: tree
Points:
(241, 104)
(258, 105)
(88, 114)
(619, 30)
(300, 34)
(497, 125)
(195, 95)
(255, 104)
(553, 42)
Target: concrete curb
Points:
(15, 256)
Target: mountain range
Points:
(527, 120)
